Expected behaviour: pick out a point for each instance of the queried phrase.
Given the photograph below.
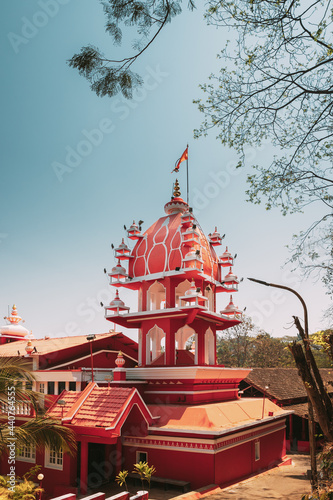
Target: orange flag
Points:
(183, 157)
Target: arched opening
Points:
(185, 356)
(209, 347)
(180, 291)
(155, 297)
(210, 295)
(154, 346)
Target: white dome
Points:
(14, 330)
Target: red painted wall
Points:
(197, 468)
(239, 461)
(233, 463)
(53, 479)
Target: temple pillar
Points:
(145, 287)
(84, 468)
(170, 295)
(291, 429)
(170, 348)
(201, 347)
(119, 455)
(143, 348)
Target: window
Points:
(72, 386)
(141, 456)
(50, 387)
(26, 454)
(53, 459)
(42, 387)
(61, 387)
(257, 450)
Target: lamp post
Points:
(312, 441)
(263, 401)
(62, 403)
(40, 478)
(90, 339)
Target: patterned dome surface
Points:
(161, 249)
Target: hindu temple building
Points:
(163, 400)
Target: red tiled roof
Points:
(102, 406)
(48, 345)
(93, 407)
(57, 411)
(284, 383)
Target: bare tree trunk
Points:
(313, 384)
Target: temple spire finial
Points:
(176, 189)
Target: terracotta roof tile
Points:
(284, 383)
(48, 345)
(56, 411)
(93, 407)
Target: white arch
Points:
(182, 336)
(180, 290)
(209, 347)
(154, 344)
(210, 295)
(155, 296)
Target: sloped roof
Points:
(93, 407)
(284, 383)
(214, 416)
(49, 345)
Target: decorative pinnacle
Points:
(176, 189)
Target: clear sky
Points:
(56, 228)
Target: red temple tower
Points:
(199, 420)
(177, 274)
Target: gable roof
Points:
(95, 406)
(284, 383)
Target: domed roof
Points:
(161, 250)
(14, 329)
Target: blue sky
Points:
(56, 229)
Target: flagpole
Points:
(187, 177)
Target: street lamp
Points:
(312, 442)
(90, 338)
(263, 401)
(40, 478)
(62, 403)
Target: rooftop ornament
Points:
(117, 305)
(118, 274)
(231, 310)
(134, 232)
(122, 252)
(193, 296)
(226, 259)
(177, 204)
(231, 282)
(215, 239)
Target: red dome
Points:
(161, 249)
